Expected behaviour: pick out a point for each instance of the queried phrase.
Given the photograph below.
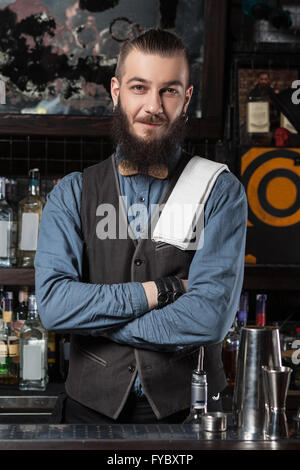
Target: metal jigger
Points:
(276, 383)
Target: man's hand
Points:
(151, 292)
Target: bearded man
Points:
(138, 307)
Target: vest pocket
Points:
(161, 245)
(92, 357)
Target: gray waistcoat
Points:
(101, 372)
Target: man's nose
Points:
(153, 104)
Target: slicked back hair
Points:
(153, 41)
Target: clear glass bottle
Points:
(260, 317)
(198, 398)
(33, 351)
(29, 216)
(10, 356)
(8, 229)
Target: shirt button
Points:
(138, 262)
(131, 368)
(141, 199)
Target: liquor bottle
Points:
(230, 351)
(4, 358)
(20, 314)
(64, 354)
(8, 230)
(242, 316)
(198, 394)
(231, 343)
(10, 357)
(2, 295)
(29, 216)
(52, 356)
(33, 351)
(258, 120)
(198, 397)
(261, 301)
(11, 193)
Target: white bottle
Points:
(33, 351)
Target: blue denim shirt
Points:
(201, 316)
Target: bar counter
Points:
(29, 429)
(120, 437)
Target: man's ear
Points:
(115, 90)
(188, 96)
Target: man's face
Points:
(153, 91)
(263, 80)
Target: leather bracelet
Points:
(163, 293)
(178, 288)
(169, 289)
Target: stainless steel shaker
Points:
(259, 346)
(276, 383)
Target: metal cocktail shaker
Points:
(276, 383)
(259, 346)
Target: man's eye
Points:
(138, 88)
(172, 91)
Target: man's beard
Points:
(145, 152)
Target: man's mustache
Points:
(152, 120)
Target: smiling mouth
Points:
(152, 124)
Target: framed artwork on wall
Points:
(57, 59)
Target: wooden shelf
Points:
(272, 277)
(257, 277)
(17, 276)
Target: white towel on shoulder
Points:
(183, 213)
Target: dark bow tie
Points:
(127, 168)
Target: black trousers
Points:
(135, 411)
